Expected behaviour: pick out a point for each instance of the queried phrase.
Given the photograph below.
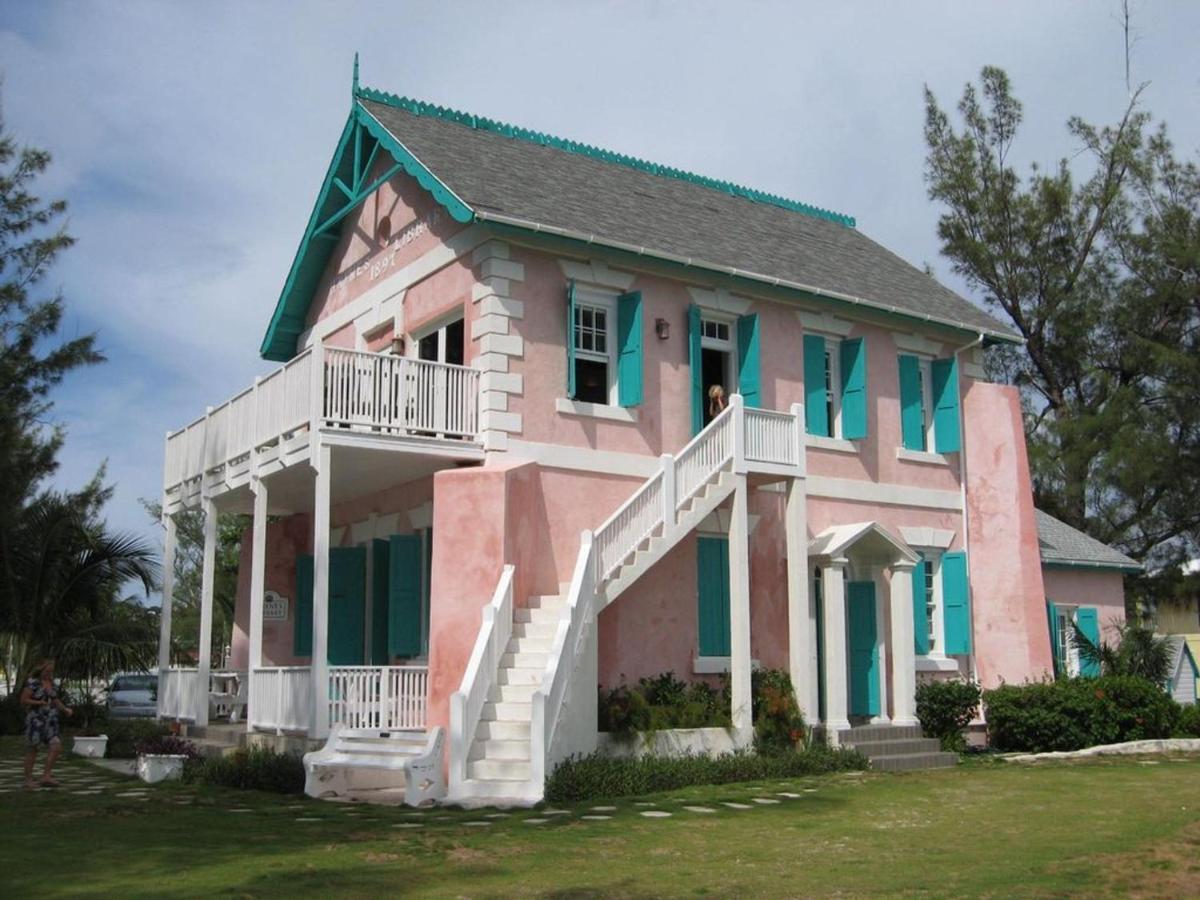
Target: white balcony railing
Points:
(281, 698)
(328, 388)
(382, 697)
(180, 695)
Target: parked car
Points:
(133, 695)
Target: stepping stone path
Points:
(700, 809)
(736, 805)
(764, 800)
(604, 809)
(595, 818)
(655, 814)
(790, 796)
(536, 821)
(478, 823)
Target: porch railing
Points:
(180, 695)
(333, 388)
(281, 698)
(383, 697)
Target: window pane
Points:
(591, 381)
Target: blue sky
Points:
(190, 139)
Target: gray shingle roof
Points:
(1060, 544)
(506, 177)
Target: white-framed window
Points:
(932, 589)
(1064, 631)
(595, 347)
(718, 356)
(442, 342)
(833, 389)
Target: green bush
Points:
(1074, 713)
(597, 776)
(250, 768)
(1189, 722)
(125, 734)
(167, 745)
(778, 724)
(657, 704)
(945, 709)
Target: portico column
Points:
(164, 616)
(903, 646)
(320, 604)
(833, 578)
(258, 575)
(800, 634)
(739, 615)
(207, 577)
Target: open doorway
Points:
(717, 363)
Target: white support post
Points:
(881, 650)
(739, 615)
(668, 491)
(319, 728)
(904, 654)
(798, 433)
(836, 707)
(258, 574)
(800, 634)
(164, 618)
(207, 576)
(739, 434)
(317, 412)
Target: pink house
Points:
(488, 476)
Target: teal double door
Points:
(862, 629)
(399, 602)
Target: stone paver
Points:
(700, 809)
(656, 814)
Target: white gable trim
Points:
(720, 300)
(596, 272)
(824, 323)
(927, 537)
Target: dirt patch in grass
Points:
(1170, 868)
(467, 855)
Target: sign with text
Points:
(275, 607)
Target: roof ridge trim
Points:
(481, 123)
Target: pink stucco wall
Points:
(1105, 591)
(1012, 639)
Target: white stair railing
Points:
(466, 704)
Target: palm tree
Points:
(67, 573)
(1138, 652)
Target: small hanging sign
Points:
(275, 607)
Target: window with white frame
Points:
(931, 588)
(1064, 630)
(832, 373)
(718, 358)
(595, 349)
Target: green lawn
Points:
(983, 828)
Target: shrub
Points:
(623, 711)
(1189, 722)
(125, 734)
(657, 704)
(663, 690)
(596, 776)
(251, 768)
(778, 724)
(1079, 712)
(167, 745)
(945, 709)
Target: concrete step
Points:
(524, 660)
(546, 601)
(537, 614)
(503, 731)
(505, 712)
(498, 770)
(511, 693)
(862, 733)
(911, 762)
(523, 645)
(876, 749)
(499, 750)
(540, 630)
(520, 676)
(224, 735)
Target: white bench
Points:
(370, 759)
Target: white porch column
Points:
(800, 633)
(903, 645)
(320, 607)
(258, 575)
(164, 616)
(833, 578)
(739, 615)
(207, 577)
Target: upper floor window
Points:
(443, 343)
(594, 381)
(929, 404)
(604, 346)
(835, 387)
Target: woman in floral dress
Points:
(40, 697)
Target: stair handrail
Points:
(466, 704)
(578, 617)
(721, 430)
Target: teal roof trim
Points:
(344, 188)
(419, 108)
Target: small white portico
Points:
(862, 610)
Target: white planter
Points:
(155, 768)
(91, 747)
(670, 742)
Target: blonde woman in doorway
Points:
(716, 401)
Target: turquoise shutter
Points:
(379, 602)
(404, 595)
(347, 605)
(629, 343)
(956, 612)
(695, 361)
(302, 627)
(854, 388)
(816, 416)
(749, 381)
(712, 588)
(945, 405)
(1055, 650)
(571, 340)
(1087, 621)
(920, 621)
(912, 422)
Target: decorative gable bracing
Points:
(516, 179)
